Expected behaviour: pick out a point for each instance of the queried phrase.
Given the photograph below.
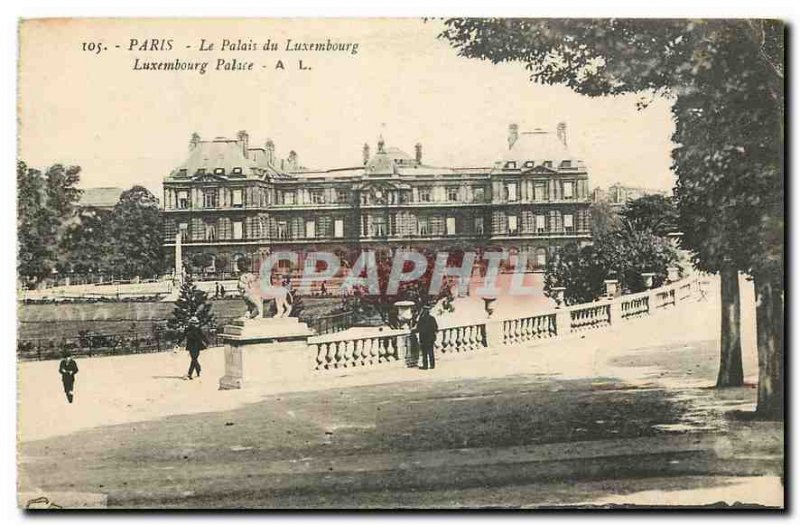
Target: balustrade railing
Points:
(590, 317)
(517, 331)
(342, 350)
(634, 307)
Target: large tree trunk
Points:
(769, 336)
(730, 363)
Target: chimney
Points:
(194, 141)
(365, 153)
(380, 144)
(418, 152)
(561, 132)
(270, 147)
(292, 160)
(513, 133)
(244, 139)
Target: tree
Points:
(45, 204)
(624, 254)
(191, 302)
(604, 218)
(86, 243)
(135, 233)
(726, 78)
(656, 213)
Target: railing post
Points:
(563, 321)
(614, 312)
(494, 333)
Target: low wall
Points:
(387, 346)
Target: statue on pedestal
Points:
(253, 297)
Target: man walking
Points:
(68, 368)
(195, 342)
(427, 328)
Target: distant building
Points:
(100, 198)
(231, 200)
(618, 194)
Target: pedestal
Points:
(275, 348)
(494, 333)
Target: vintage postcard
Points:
(456, 263)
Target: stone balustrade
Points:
(379, 346)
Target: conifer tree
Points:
(191, 302)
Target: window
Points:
(379, 226)
(184, 229)
(528, 163)
(479, 225)
(341, 196)
(541, 257)
(478, 195)
(237, 171)
(540, 191)
(512, 224)
(237, 198)
(201, 171)
(219, 171)
(569, 189)
(548, 164)
(568, 226)
(317, 197)
(238, 232)
(338, 228)
(566, 164)
(425, 195)
(288, 197)
(452, 193)
(511, 191)
(211, 232)
(210, 198)
(540, 224)
(511, 165)
(183, 199)
(424, 226)
(451, 226)
(282, 232)
(311, 228)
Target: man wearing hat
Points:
(426, 330)
(195, 342)
(68, 368)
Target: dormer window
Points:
(548, 164)
(566, 164)
(237, 171)
(182, 172)
(219, 171)
(528, 163)
(201, 171)
(511, 165)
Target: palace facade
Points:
(229, 200)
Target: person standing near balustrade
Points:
(426, 332)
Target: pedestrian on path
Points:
(195, 342)
(426, 330)
(68, 368)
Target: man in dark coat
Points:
(195, 342)
(426, 330)
(68, 368)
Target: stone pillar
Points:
(494, 333)
(178, 258)
(563, 321)
(234, 367)
(612, 286)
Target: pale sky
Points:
(126, 127)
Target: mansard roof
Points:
(538, 146)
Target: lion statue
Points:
(253, 296)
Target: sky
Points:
(126, 127)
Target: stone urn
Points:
(404, 312)
(612, 287)
(673, 274)
(488, 305)
(558, 295)
(647, 277)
